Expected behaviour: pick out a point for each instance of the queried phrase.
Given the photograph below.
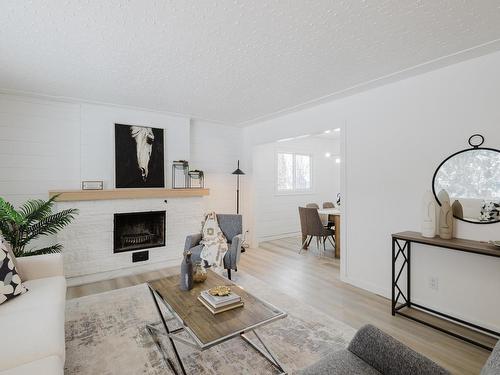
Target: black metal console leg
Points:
(229, 273)
(396, 290)
(408, 277)
(393, 262)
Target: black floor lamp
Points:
(238, 172)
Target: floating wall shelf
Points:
(94, 195)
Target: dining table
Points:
(334, 216)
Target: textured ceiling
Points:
(229, 61)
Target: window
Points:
(293, 173)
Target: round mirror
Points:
(471, 178)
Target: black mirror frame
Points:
(473, 147)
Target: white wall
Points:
(276, 214)
(395, 136)
(215, 149)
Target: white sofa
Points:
(32, 325)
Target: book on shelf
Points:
(218, 310)
(220, 301)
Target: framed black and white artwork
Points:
(139, 157)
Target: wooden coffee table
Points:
(205, 329)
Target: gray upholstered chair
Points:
(373, 352)
(231, 226)
(311, 226)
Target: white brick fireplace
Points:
(88, 241)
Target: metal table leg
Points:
(266, 353)
(152, 331)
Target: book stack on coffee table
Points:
(218, 304)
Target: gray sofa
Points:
(231, 226)
(371, 352)
(492, 366)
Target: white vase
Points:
(443, 196)
(445, 221)
(429, 206)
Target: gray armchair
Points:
(231, 226)
(373, 352)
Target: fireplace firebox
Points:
(138, 230)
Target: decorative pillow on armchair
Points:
(10, 282)
(490, 211)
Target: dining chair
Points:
(312, 227)
(330, 224)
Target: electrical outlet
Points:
(434, 283)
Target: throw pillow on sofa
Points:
(10, 281)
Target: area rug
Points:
(106, 334)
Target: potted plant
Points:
(31, 221)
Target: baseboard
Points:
(133, 270)
(370, 287)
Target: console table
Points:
(401, 247)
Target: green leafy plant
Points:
(32, 220)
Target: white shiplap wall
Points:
(53, 145)
(39, 147)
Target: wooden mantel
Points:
(93, 195)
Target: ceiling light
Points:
(327, 155)
(337, 160)
(303, 136)
(327, 131)
(336, 129)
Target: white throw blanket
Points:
(214, 243)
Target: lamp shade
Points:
(238, 170)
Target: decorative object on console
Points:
(92, 185)
(445, 221)
(238, 172)
(428, 215)
(186, 282)
(10, 281)
(31, 221)
(490, 211)
(443, 196)
(471, 177)
(457, 209)
(338, 199)
(196, 179)
(139, 157)
(180, 177)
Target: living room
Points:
(141, 151)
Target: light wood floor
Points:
(315, 280)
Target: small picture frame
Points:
(92, 185)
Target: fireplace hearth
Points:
(138, 230)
